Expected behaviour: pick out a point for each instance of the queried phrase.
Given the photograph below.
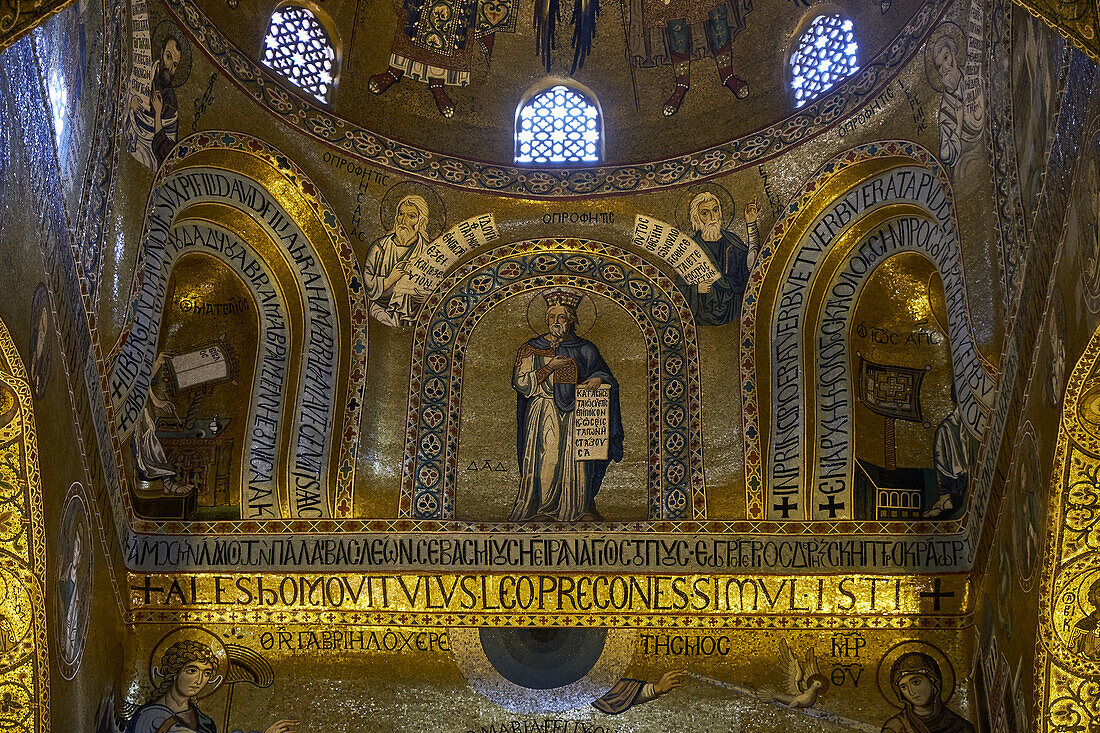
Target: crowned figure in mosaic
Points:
(677, 32)
(554, 484)
(434, 43)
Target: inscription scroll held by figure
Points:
(558, 479)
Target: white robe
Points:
(389, 307)
(552, 481)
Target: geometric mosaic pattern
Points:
(675, 480)
(558, 125)
(826, 54)
(298, 47)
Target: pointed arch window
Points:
(298, 47)
(826, 54)
(559, 124)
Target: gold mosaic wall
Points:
(780, 463)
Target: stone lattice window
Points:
(297, 46)
(558, 125)
(826, 54)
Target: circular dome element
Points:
(542, 670)
(422, 97)
(541, 659)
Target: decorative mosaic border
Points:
(762, 622)
(99, 177)
(24, 667)
(1066, 681)
(342, 500)
(754, 440)
(1001, 147)
(756, 147)
(19, 17)
(450, 316)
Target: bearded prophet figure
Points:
(394, 298)
(917, 680)
(151, 131)
(718, 303)
(554, 485)
(960, 125)
(186, 669)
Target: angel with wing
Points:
(803, 683)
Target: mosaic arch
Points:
(24, 663)
(447, 321)
(864, 207)
(230, 196)
(1068, 650)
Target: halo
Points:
(1083, 581)
(943, 29)
(202, 636)
(683, 205)
(9, 404)
(160, 35)
(536, 311)
(475, 660)
(886, 687)
(437, 211)
(1088, 409)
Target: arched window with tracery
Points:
(298, 47)
(826, 53)
(559, 125)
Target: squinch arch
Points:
(232, 196)
(865, 206)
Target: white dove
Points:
(803, 682)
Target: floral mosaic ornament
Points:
(1068, 651)
(24, 667)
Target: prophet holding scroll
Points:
(554, 484)
(718, 303)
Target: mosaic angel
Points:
(186, 669)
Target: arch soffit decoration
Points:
(281, 197)
(1071, 565)
(314, 120)
(449, 317)
(835, 181)
(26, 676)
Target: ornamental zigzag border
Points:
(464, 173)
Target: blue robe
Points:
(723, 303)
(589, 364)
(153, 717)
